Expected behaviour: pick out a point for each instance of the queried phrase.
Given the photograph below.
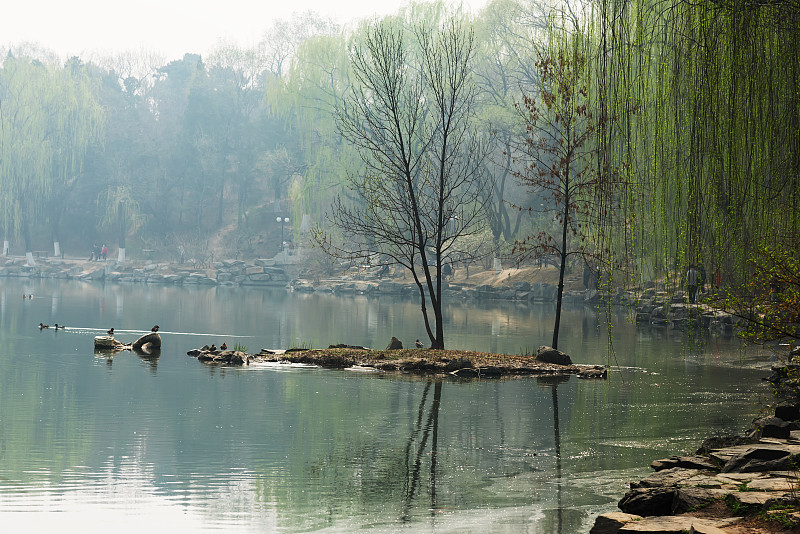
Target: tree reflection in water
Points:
(552, 382)
(430, 430)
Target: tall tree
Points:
(408, 115)
(562, 152)
(48, 117)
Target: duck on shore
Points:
(110, 332)
(224, 346)
(154, 329)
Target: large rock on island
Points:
(550, 355)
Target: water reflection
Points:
(413, 468)
(292, 449)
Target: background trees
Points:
(209, 149)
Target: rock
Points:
(674, 525)
(758, 459)
(721, 442)
(751, 499)
(150, 340)
(648, 501)
(685, 462)
(666, 478)
(611, 522)
(595, 372)
(771, 427)
(394, 344)
(787, 411)
(343, 346)
(772, 484)
(687, 499)
(550, 355)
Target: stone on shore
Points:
(550, 355)
(394, 344)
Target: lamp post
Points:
(282, 220)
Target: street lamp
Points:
(282, 220)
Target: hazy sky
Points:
(171, 27)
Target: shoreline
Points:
(732, 485)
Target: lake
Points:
(89, 440)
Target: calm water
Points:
(169, 444)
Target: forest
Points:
(676, 123)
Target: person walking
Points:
(692, 277)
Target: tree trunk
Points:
(563, 267)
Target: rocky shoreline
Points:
(733, 484)
(654, 305)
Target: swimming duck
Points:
(419, 344)
(224, 346)
(154, 329)
(110, 332)
(43, 326)
(57, 326)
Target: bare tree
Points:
(416, 196)
(577, 191)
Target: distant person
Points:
(692, 278)
(104, 252)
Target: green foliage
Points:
(238, 347)
(770, 301)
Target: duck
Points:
(110, 332)
(59, 327)
(205, 348)
(224, 346)
(43, 326)
(154, 329)
(419, 344)
(213, 348)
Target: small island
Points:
(458, 363)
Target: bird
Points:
(224, 346)
(419, 344)
(213, 348)
(43, 326)
(154, 329)
(30, 296)
(110, 332)
(57, 326)
(205, 348)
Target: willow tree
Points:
(408, 116)
(47, 118)
(120, 213)
(716, 143)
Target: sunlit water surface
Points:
(89, 440)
